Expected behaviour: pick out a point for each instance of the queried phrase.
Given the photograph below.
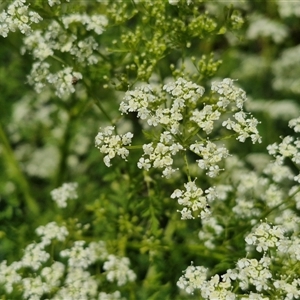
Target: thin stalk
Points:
(64, 152)
(16, 173)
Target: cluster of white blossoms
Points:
(288, 9)
(175, 110)
(261, 276)
(194, 199)
(44, 44)
(210, 230)
(245, 127)
(211, 156)
(180, 116)
(114, 296)
(206, 117)
(40, 76)
(233, 98)
(248, 185)
(180, 95)
(55, 2)
(34, 257)
(177, 113)
(279, 244)
(96, 23)
(253, 272)
(37, 275)
(295, 124)
(265, 236)
(18, 17)
(263, 27)
(59, 36)
(195, 278)
(112, 144)
(160, 155)
(50, 232)
(248, 272)
(268, 237)
(286, 69)
(288, 148)
(68, 191)
(80, 256)
(117, 269)
(230, 95)
(175, 2)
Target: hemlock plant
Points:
(136, 164)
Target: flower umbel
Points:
(112, 144)
(66, 192)
(193, 199)
(117, 269)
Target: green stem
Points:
(187, 167)
(16, 173)
(100, 106)
(64, 152)
(97, 101)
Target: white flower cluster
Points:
(288, 8)
(254, 272)
(175, 2)
(247, 272)
(265, 236)
(295, 123)
(233, 97)
(9, 275)
(61, 36)
(205, 118)
(245, 127)
(55, 2)
(114, 296)
(57, 38)
(194, 199)
(210, 230)
(71, 282)
(175, 111)
(40, 77)
(268, 237)
(80, 256)
(211, 155)
(68, 191)
(230, 95)
(18, 16)
(50, 232)
(248, 185)
(264, 27)
(150, 107)
(112, 144)
(34, 257)
(117, 269)
(291, 290)
(286, 70)
(279, 248)
(288, 148)
(96, 23)
(160, 155)
(193, 278)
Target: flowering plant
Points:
(140, 161)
